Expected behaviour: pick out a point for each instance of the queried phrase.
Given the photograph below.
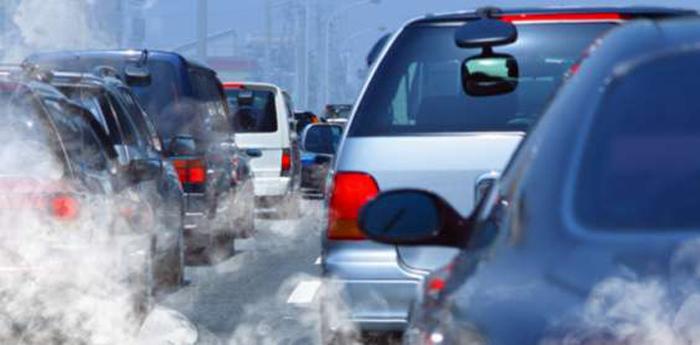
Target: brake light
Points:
(234, 85)
(191, 171)
(526, 18)
(351, 191)
(64, 207)
(286, 162)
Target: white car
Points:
(263, 119)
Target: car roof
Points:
(234, 85)
(121, 55)
(630, 11)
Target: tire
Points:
(220, 249)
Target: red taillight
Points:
(563, 17)
(286, 162)
(64, 207)
(234, 85)
(351, 191)
(191, 171)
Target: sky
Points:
(171, 23)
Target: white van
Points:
(262, 116)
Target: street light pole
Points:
(329, 25)
(202, 27)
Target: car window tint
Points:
(164, 100)
(84, 150)
(141, 120)
(418, 88)
(253, 111)
(641, 167)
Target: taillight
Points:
(351, 191)
(64, 207)
(191, 171)
(286, 162)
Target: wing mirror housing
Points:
(414, 217)
(142, 170)
(321, 138)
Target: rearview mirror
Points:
(137, 75)
(321, 138)
(413, 217)
(182, 145)
(488, 75)
(142, 170)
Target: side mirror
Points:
(182, 145)
(321, 138)
(137, 75)
(142, 170)
(253, 153)
(413, 217)
(489, 75)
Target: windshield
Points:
(253, 111)
(641, 167)
(418, 89)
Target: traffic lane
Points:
(267, 291)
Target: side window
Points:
(130, 133)
(79, 140)
(143, 123)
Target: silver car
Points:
(443, 110)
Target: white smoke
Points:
(644, 311)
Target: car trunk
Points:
(446, 165)
(270, 163)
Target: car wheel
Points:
(220, 248)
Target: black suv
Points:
(134, 138)
(186, 102)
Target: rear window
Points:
(30, 147)
(254, 110)
(417, 88)
(640, 166)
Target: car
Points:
(319, 143)
(594, 210)
(262, 116)
(185, 101)
(337, 111)
(450, 99)
(60, 187)
(303, 119)
(134, 138)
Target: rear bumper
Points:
(272, 186)
(370, 287)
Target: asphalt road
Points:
(267, 292)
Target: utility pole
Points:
(202, 28)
